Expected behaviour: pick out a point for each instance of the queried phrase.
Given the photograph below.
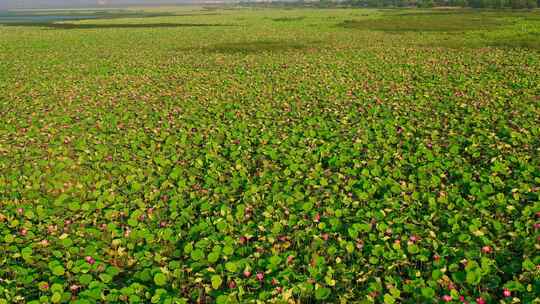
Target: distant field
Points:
(241, 155)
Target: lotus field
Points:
(267, 155)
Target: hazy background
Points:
(13, 4)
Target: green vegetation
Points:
(491, 4)
(446, 22)
(495, 4)
(285, 155)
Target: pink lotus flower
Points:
(247, 273)
(74, 288)
(20, 210)
(486, 249)
(242, 240)
(23, 232)
(317, 218)
(90, 260)
(480, 301)
(507, 293)
(232, 284)
(446, 298)
(260, 276)
(290, 259)
(373, 294)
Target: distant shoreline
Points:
(117, 6)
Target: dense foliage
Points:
(498, 4)
(493, 4)
(291, 156)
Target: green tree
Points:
(460, 3)
(425, 3)
(518, 4)
(499, 3)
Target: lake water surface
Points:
(16, 18)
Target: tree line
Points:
(515, 4)
(491, 4)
